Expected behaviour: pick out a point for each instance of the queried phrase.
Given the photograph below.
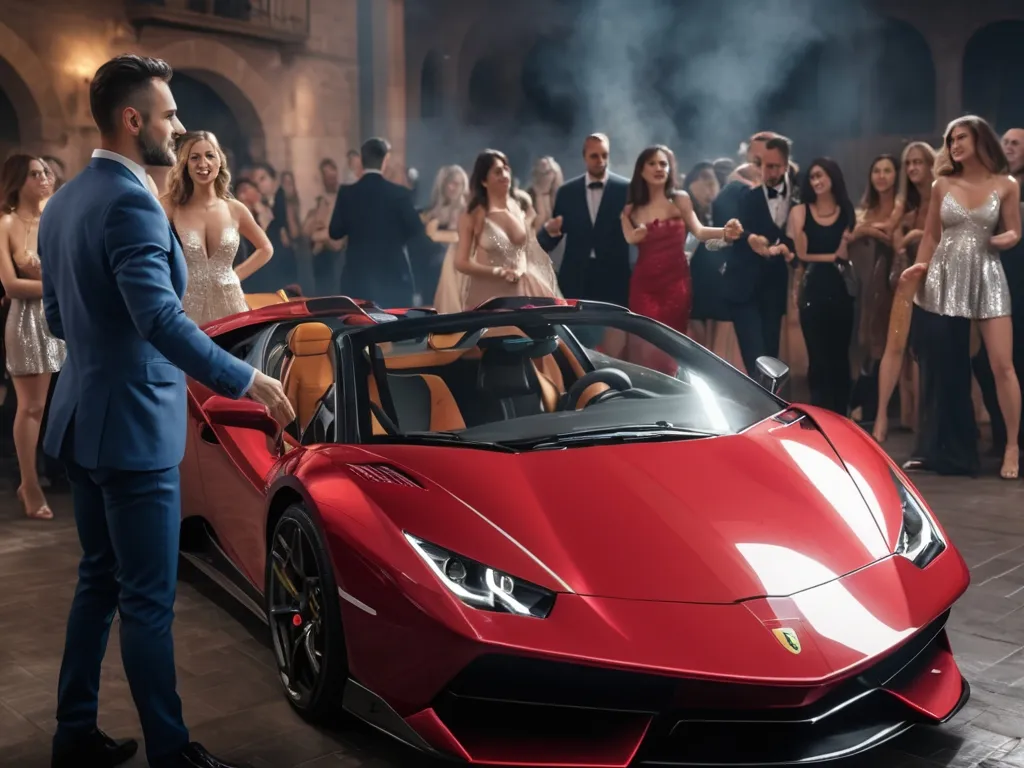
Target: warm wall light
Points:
(82, 59)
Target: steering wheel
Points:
(617, 380)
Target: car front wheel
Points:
(305, 617)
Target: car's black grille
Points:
(700, 722)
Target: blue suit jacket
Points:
(113, 278)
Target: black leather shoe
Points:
(194, 756)
(97, 750)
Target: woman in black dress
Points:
(821, 228)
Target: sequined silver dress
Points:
(965, 277)
(214, 290)
(31, 348)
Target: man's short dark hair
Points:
(117, 82)
(328, 162)
(373, 153)
(782, 144)
(352, 153)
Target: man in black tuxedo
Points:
(757, 273)
(379, 219)
(587, 210)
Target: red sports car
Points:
(557, 533)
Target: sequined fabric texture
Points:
(31, 348)
(965, 277)
(214, 290)
(495, 249)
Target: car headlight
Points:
(482, 587)
(920, 540)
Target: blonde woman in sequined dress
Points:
(973, 198)
(33, 354)
(210, 223)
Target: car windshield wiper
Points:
(632, 434)
(444, 438)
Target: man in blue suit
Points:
(114, 278)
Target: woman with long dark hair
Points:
(656, 219)
(822, 227)
(497, 247)
(973, 195)
(33, 354)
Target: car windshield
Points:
(544, 379)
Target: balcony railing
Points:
(282, 21)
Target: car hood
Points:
(769, 512)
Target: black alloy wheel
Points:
(305, 618)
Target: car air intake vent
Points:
(382, 473)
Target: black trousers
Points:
(947, 438)
(828, 327)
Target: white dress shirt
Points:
(594, 200)
(140, 174)
(779, 206)
(131, 165)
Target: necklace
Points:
(29, 221)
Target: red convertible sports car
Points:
(557, 533)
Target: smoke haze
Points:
(699, 76)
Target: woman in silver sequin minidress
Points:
(33, 354)
(972, 197)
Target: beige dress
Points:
(214, 290)
(31, 348)
(495, 249)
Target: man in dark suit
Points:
(757, 273)
(379, 219)
(113, 278)
(587, 211)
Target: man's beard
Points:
(154, 153)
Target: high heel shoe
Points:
(41, 513)
(1011, 463)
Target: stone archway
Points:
(33, 99)
(987, 90)
(256, 106)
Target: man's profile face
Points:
(595, 155)
(153, 120)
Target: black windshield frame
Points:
(363, 341)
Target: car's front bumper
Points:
(605, 682)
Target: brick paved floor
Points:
(233, 704)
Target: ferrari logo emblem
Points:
(787, 637)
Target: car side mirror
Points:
(772, 373)
(243, 414)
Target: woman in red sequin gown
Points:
(656, 219)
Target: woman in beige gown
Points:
(210, 224)
(498, 249)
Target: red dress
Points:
(660, 287)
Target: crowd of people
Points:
(107, 282)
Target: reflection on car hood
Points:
(771, 511)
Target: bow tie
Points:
(774, 192)
(595, 185)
